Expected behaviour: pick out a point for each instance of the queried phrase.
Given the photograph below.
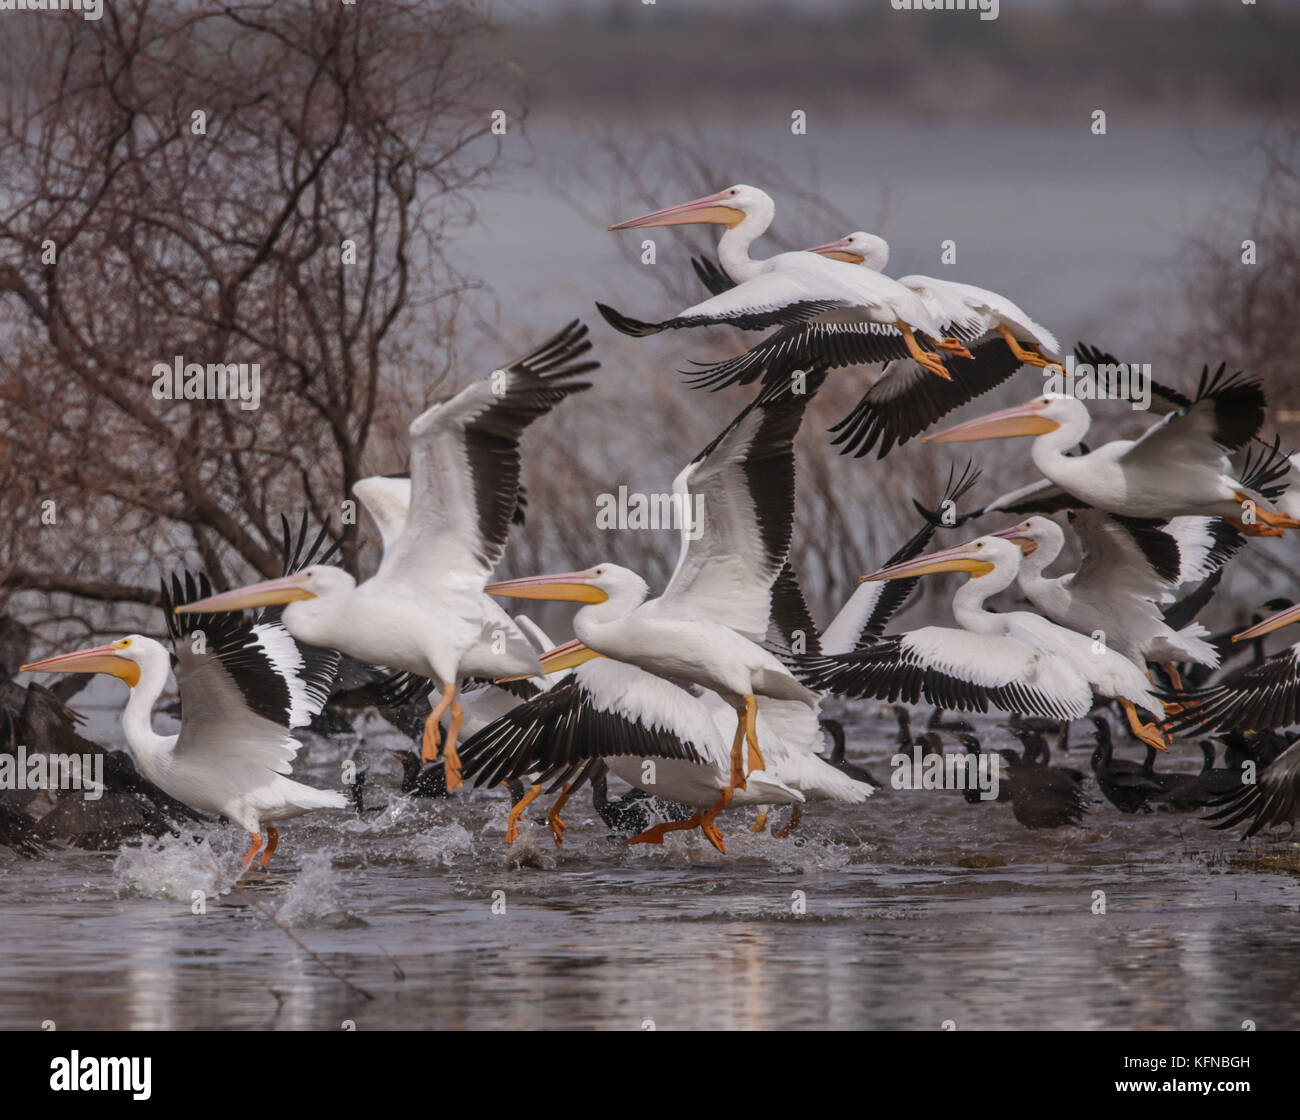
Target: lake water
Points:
(894, 933)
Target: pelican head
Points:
(859, 247)
(728, 207)
(123, 659)
(977, 557)
(318, 581)
(595, 585)
(1034, 533)
(1033, 418)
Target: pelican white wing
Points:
(957, 670)
(740, 494)
(606, 709)
(465, 467)
(387, 498)
(1226, 413)
(242, 688)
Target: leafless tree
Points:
(194, 182)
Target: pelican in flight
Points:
(795, 287)
(1002, 337)
(1179, 466)
(904, 399)
(1128, 568)
(707, 625)
(424, 611)
(1017, 660)
(387, 498)
(243, 686)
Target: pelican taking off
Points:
(425, 611)
(242, 687)
(1016, 660)
(708, 624)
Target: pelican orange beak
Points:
(1273, 622)
(99, 659)
(1017, 536)
(571, 587)
(963, 558)
(268, 593)
(566, 656)
(710, 208)
(1023, 420)
(839, 251)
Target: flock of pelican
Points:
(707, 695)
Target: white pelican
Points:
(1127, 568)
(707, 624)
(424, 611)
(1001, 336)
(904, 400)
(387, 498)
(790, 287)
(1017, 661)
(1179, 466)
(620, 714)
(240, 696)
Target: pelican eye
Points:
(122, 644)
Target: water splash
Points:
(175, 867)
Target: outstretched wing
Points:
(1254, 698)
(1273, 800)
(606, 709)
(243, 685)
(830, 343)
(1124, 556)
(1225, 415)
(956, 670)
(908, 399)
(770, 299)
(465, 466)
(739, 492)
